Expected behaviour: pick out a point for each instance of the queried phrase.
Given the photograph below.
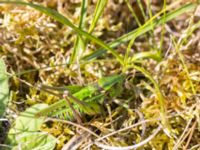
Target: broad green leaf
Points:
(4, 88)
(35, 141)
(26, 122)
(60, 18)
(143, 29)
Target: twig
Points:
(129, 147)
(124, 129)
(3, 119)
(179, 141)
(75, 142)
(190, 136)
(4, 145)
(74, 124)
(195, 147)
(143, 125)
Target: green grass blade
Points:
(97, 13)
(142, 9)
(150, 11)
(60, 18)
(185, 68)
(133, 13)
(149, 54)
(159, 94)
(79, 44)
(83, 14)
(143, 29)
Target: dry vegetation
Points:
(37, 49)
